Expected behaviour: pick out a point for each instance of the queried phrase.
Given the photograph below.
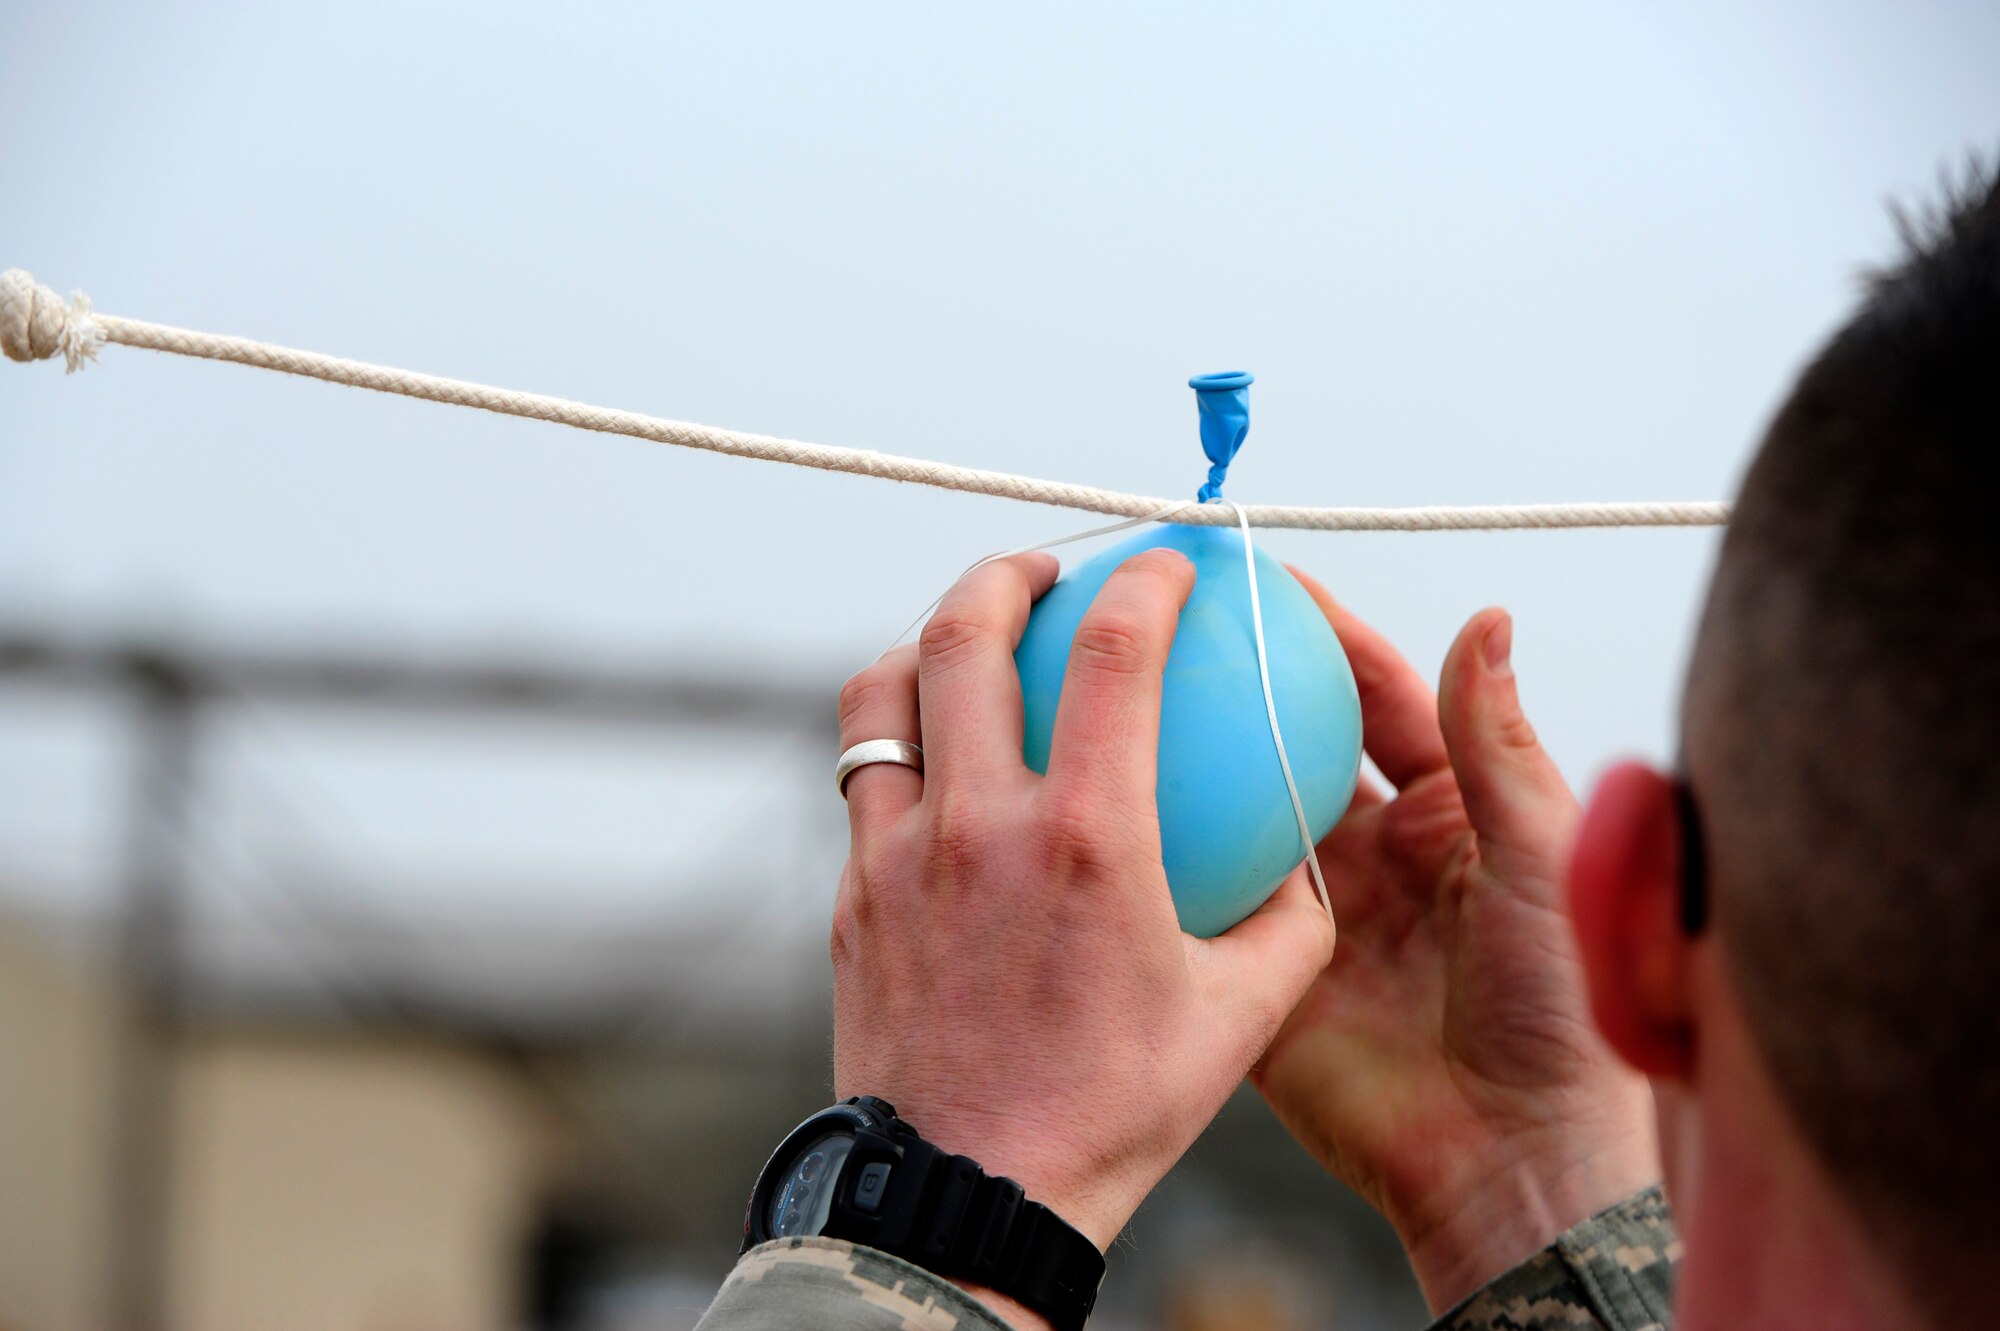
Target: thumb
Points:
(1517, 801)
(1262, 966)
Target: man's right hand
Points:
(1445, 1065)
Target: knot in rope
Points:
(35, 324)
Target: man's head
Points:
(1843, 749)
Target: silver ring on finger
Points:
(868, 751)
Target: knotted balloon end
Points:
(35, 324)
(1224, 402)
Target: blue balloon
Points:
(1228, 835)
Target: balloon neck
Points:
(1224, 403)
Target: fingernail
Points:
(1500, 648)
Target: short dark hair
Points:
(1843, 737)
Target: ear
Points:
(1624, 898)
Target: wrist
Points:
(1510, 1214)
(1086, 1188)
(861, 1172)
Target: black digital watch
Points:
(859, 1173)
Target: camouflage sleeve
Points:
(834, 1286)
(1615, 1271)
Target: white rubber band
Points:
(1030, 549)
(1271, 711)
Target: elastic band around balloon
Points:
(1031, 549)
(1271, 711)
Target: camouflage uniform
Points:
(826, 1283)
(1613, 1271)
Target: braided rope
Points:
(35, 324)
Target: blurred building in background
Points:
(318, 1175)
(238, 1094)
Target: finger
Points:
(968, 692)
(1107, 731)
(1515, 798)
(1263, 965)
(1399, 717)
(881, 703)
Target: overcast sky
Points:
(1474, 254)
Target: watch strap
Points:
(901, 1195)
(982, 1228)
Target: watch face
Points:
(803, 1198)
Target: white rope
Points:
(35, 324)
(1277, 735)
